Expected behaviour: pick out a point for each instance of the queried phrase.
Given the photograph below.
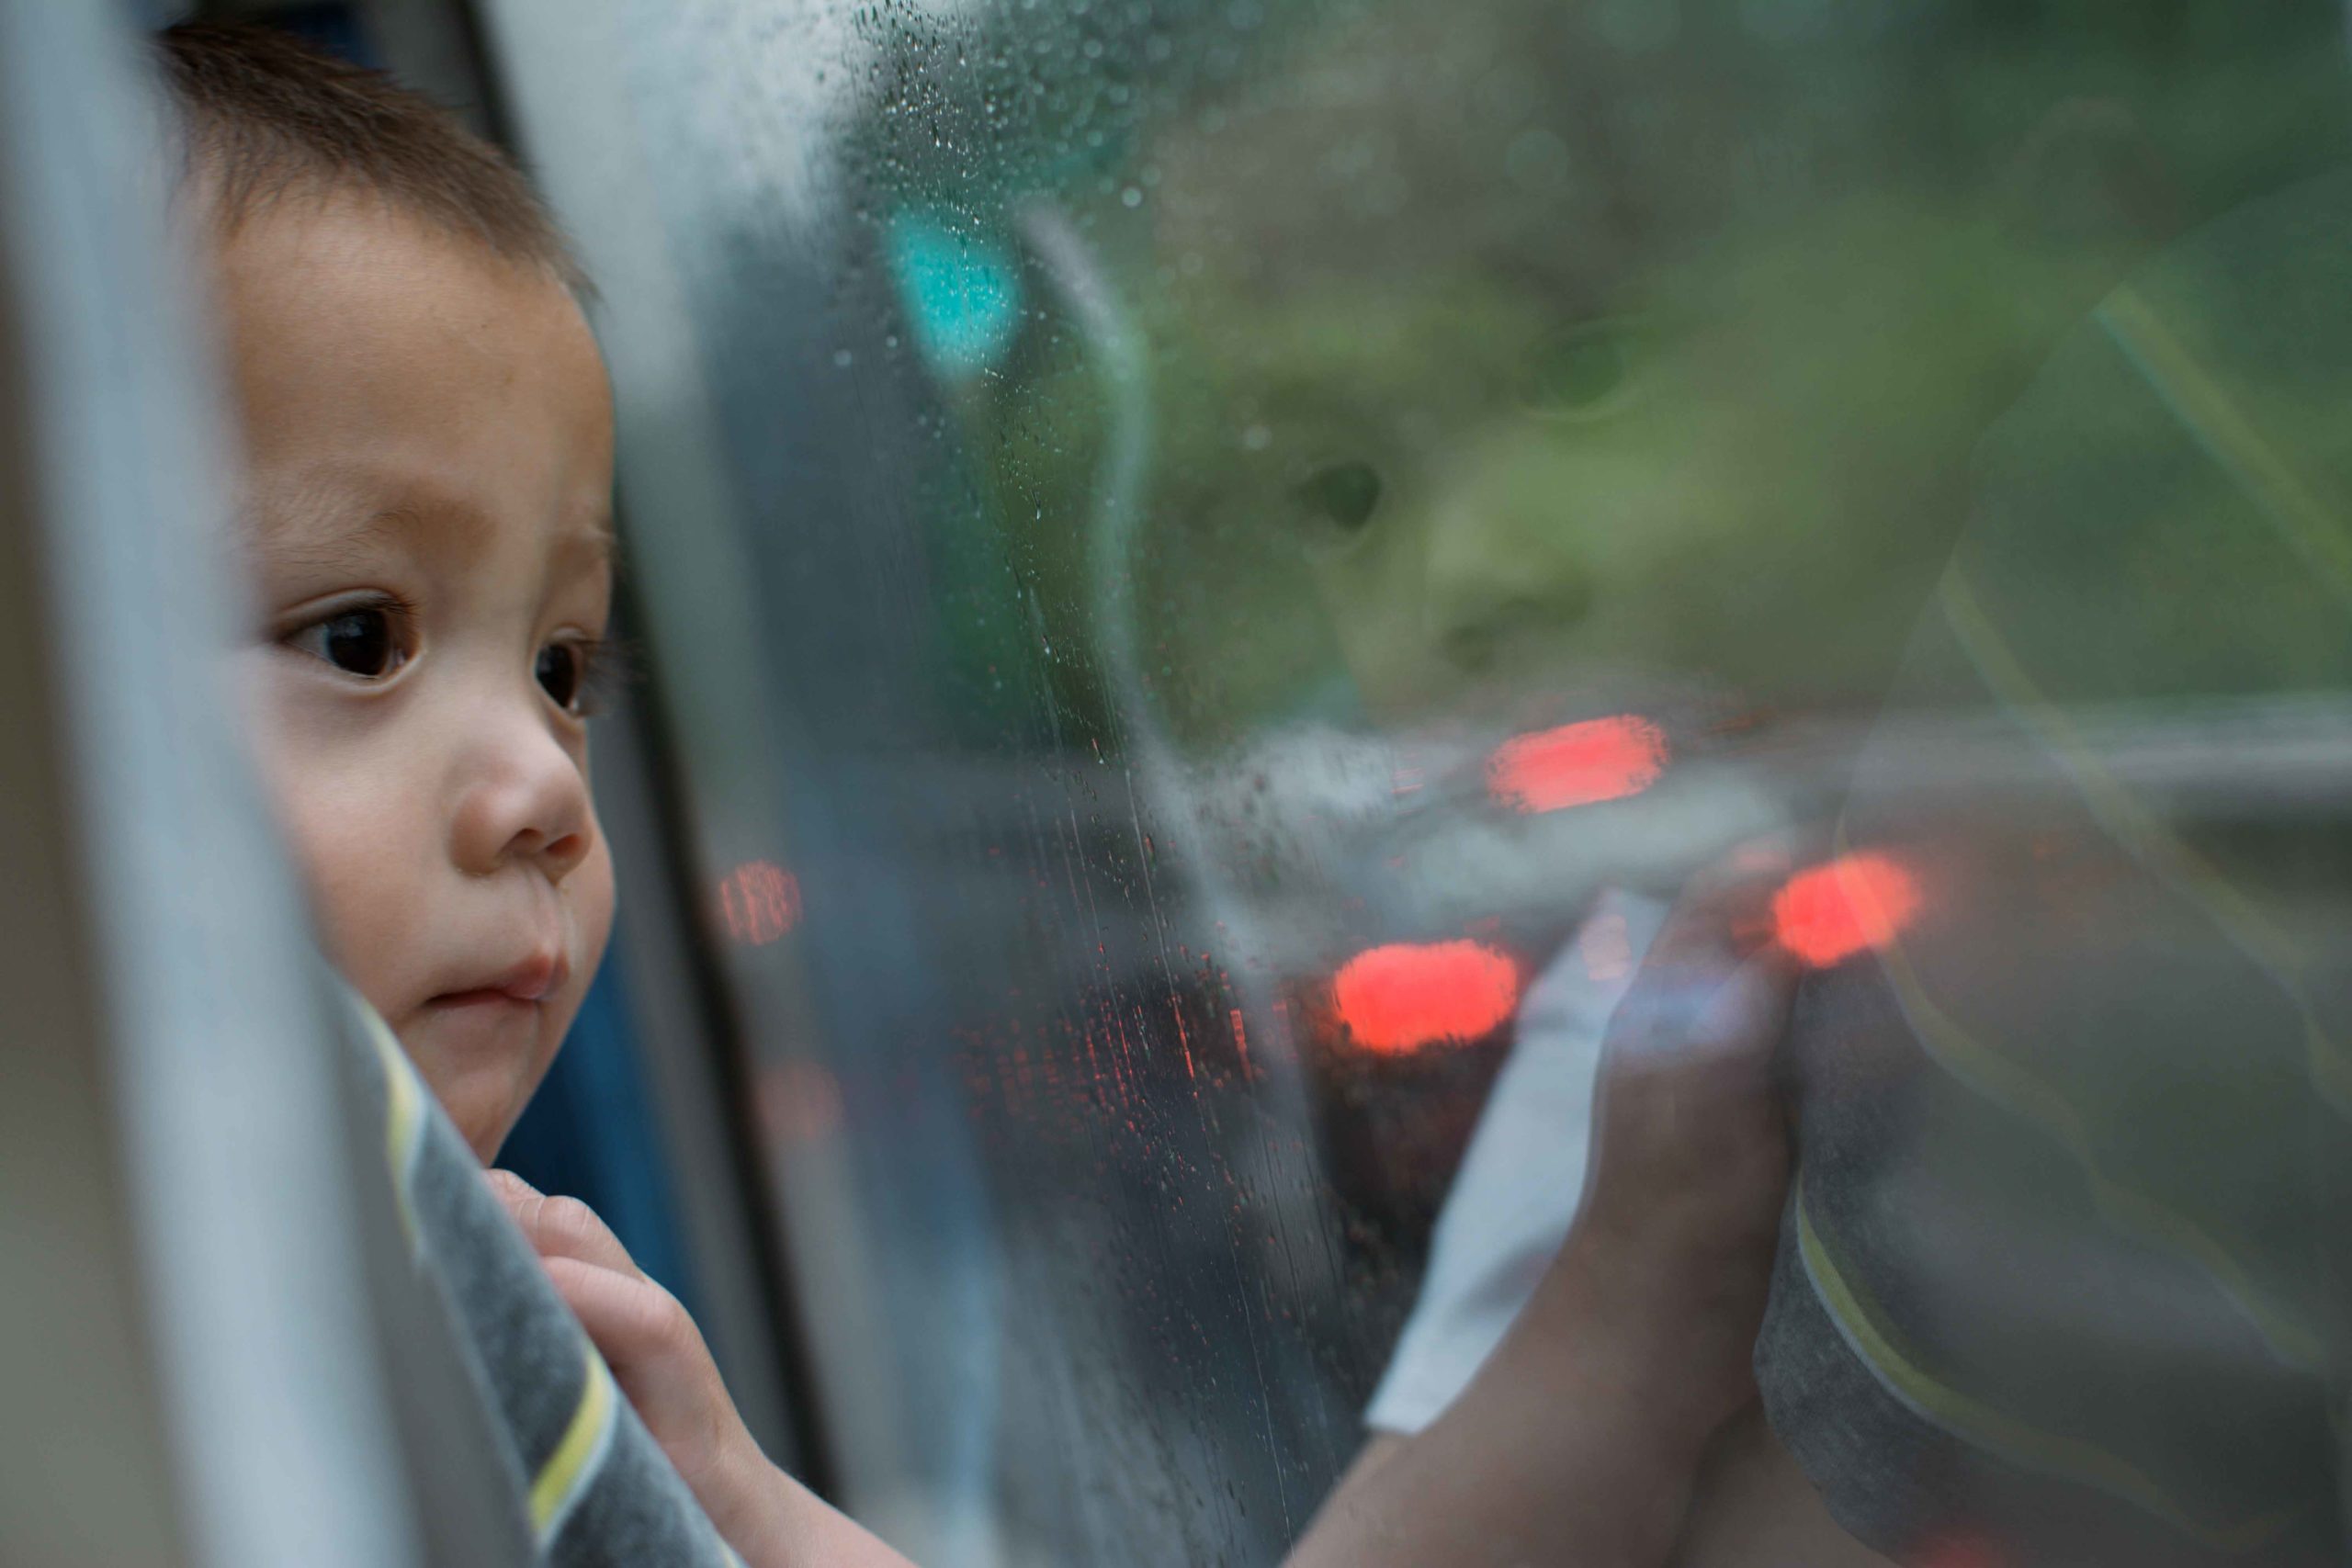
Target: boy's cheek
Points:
(372, 852)
(347, 827)
(362, 887)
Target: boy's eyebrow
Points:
(314, 536)
(596, 538)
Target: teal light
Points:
(961, 291)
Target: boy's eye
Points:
(572, 674)
(558, 672)
(364, 642)
(1586, 374)
(579, 674)
(1343, 494)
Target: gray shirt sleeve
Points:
(512, 1424)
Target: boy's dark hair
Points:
(263, 115)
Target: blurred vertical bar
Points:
(83, 1467)
(185, 1345)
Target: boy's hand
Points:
(656, 1353)
(1690, 1161)
(659, 1358)
(1581, 1437)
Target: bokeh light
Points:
(1404, 996)
(757, 902)
(1577, 764)
(1852, 905)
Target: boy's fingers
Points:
(1714, 1030)
(510, 1188)
(633, 1320)
(1724, 911)
(1702, 991)
(659, 1358)
(1714, 959)
(561, 1227)
(1714, 981)
(1749, 1013)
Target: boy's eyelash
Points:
(399, 610)
(609, 666)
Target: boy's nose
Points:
(525, 801)
(1499, 572)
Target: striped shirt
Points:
(519, 1447)
(2066, 1272)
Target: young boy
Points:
(428, 450)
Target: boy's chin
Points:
(484, 1126)
(482, 1061)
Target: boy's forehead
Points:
(357, 272)
(397, 386)
(1544, 143)
(1368, 152)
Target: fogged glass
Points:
(1269, 542)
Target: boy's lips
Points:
(525, 982)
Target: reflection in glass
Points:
(1273, 542)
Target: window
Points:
(1212, 569)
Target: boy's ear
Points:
(2088, 179)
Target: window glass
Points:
(1217, 569)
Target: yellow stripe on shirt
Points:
(2146, 836)
(2033, 1098)
(403, 1119)
(571, 1469)
(2194, 397)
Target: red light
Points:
(759, 902)
(1577, 764)
(1402, 997)
(1829, 914)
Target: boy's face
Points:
(1738, 479)
(428, 435)
(1577, 373)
